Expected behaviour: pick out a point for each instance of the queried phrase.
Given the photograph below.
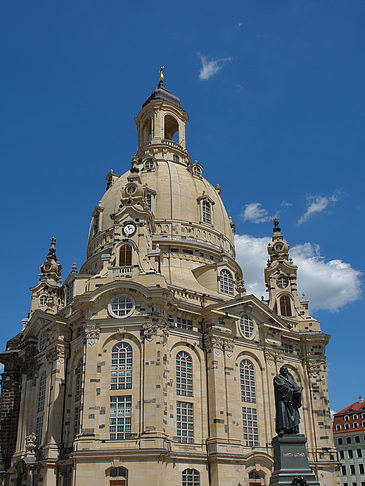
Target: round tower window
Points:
(131, 189)
(283, 282)
(122, 306)
(247, 326)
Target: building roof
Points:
(354, 407)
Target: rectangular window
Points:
(342, 455)
(359, 452)
(69, 292)
(42, 392)
(39, 430)
(343, 470)
(250, 429)
(357, 438)
(350, 453)
(287, 348)
(120, 420)
(352, 469)
(348, 440)
(76, 421)
(185, 422)
(361, 468)
(184, 323)
(339, 441)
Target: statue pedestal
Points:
(291, 461)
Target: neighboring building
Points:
(349, 433)
(151, 366)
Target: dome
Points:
(170, 182)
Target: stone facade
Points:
(151, 365)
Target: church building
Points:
(151, 365)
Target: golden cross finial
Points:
(161, 73)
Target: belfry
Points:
(151, 365)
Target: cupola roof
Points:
(161, 93)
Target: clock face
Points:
(129, 229)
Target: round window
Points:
(247, 326)
(122, 306)
(283, 282)
(131, 189)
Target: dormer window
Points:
(148, 165)
(125, 256)
(206, 212)
(226, 282)
(96, 224)
(175, 158)
(197, 170)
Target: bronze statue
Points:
(288, 400)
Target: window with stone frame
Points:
(185, 422)
(96, 220)
(122, 363)
(183, 323)
(246, 326)
(190, 477)
(184, 374)
(285, 306)
(39, 430)
(250, 427)
(149, 201)
(42, 392)
(206, 211)
(226, 284)
(118, 476)
(247, 379)
(120, 417)
(125, 256)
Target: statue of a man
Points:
(288, 400)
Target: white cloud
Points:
(255, 213)
(317, 204)
(327, 285)
(286, 204)
(211, 66)
(239, 24)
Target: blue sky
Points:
(275, 95)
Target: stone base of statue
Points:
(291, 465)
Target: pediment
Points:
(251, 305)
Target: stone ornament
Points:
(30, 443)
(91, 334)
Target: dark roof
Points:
(161, 93)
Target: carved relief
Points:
(91, 334)
(30, 443)
(57, 353)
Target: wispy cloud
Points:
(239, 24)
(255, 213)
(210, 67)
(329, 285)
(317, 204)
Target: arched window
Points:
(125, 256)
(118, 476)
(78, 381)
(96, 224)
(197, 170)
(122, 360)
(171, 128)
(190, 477)
(346, 426)
(226, 282)
(285, 307)
(206, 212)
(184, 374)
(355, 425)
(42, 392)
(338, 427)
(147, 131)
(247, 378)
(43, 300)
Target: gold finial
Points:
(161, 77)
